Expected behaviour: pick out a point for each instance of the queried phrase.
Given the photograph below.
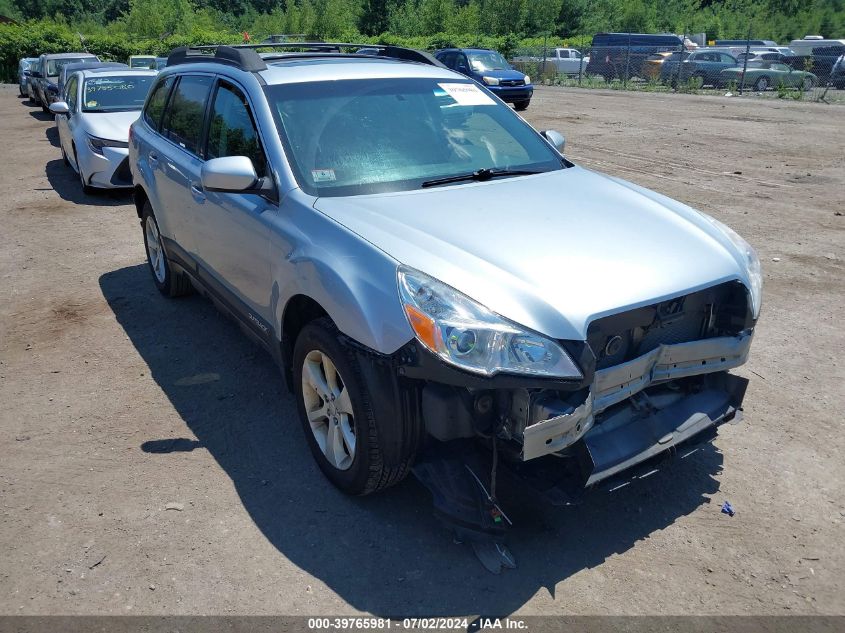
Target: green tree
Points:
(373, 19)
(10, 10)
(635, 18)
(541, 16)
(159, 18)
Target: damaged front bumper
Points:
(589, 431)
(617, 384)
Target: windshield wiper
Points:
(480, 175)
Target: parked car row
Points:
(42, 79)
(355, 213)
(670, 59)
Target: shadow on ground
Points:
(52, 134)
(64, 180)
(41, 115)
(384, 554)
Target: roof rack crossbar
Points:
(244, 56)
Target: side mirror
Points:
(36, 74)
(463, 69)
(556, 139)
(232, 174)
(59, 107)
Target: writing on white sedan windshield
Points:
(113, 94)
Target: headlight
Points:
(97, 144)
(752, 264)
(467, 335)
(490, 81)
(527, 80)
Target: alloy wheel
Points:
(154, 252)
(329, 409)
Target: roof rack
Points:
(246, 57)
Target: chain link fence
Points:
(763, 71)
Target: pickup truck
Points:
(567, 61)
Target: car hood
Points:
(110, 125)
(508, 73)
(552, 251)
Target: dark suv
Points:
(621, 55)
(491, 69)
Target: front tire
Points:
(808, 84)
(521, 105)
(86, 188)
(169, 283)
(762, 84)
(337, 412)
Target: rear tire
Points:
(339, 414)
(521, 105)
(169, 283)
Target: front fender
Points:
(352, 280)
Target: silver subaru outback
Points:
(445, 292)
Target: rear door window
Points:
(183, 119)
(157, 101)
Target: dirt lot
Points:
(115, 402)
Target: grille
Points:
(510, 83)
(718, 311)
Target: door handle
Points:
(197, 192)
(153, 158)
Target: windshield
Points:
(142, 62)
(54, 66)
(356, 137)
(487, 60)
(115, 94)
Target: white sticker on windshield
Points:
(467, 94)
(322, 175)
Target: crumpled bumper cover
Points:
(615, 384)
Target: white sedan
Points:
(93, 122)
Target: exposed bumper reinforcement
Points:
(615, 384)
(625, 446)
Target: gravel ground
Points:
(151, 461)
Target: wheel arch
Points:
(299, 311)
(140, 197)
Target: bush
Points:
(35, 38)
(113, 43)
